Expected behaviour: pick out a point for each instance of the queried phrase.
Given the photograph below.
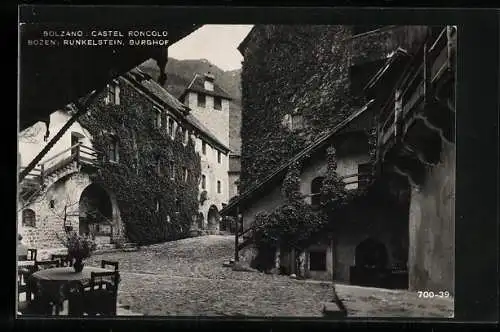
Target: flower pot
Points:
(78, 265)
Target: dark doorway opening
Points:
(370, 267)
(213, 217)
(96, 211)
(265, 259)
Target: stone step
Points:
(129, 245)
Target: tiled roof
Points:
(157, 90)
(197, 85)
(149, 85)
(305, 153)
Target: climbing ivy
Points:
(153, 207)
(294, 222)
(333, 192)
(291, 68)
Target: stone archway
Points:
(96, 212)
(213, 218)
(371, 253)
(371, 260)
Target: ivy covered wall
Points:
(153, 206)
(317, 71)
(302, 69)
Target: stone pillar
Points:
(277, 258)
(302, 263)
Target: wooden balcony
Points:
(78, 154)
(420, 112)
(416, 96)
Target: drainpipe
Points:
(81, 109)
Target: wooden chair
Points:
(64, 260)
(32, 306)
(40, 305)
(105, 263)
(32, 254)
(23, 286)
(49, 264)
(99, 297)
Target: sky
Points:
(216, 43)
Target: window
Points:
(316, 185)
(112, 94)
(293, 121)
(170, 129)
(297, 122)
(158, 166)
(208, 85)
(204, 148)
(203, 182)
(217, 103)
(157, 206)
(29, 218)
(201, 100)
(219, 187)
(317, 261)
(157, 118)
(185, 136)
(112, 152)
(219, 157)
(171, 170)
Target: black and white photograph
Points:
(245, 171)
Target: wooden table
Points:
(25, 263)
(56, 283)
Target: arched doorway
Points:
(371, 253)
(213, 218)
(96, 211)
(370, 269)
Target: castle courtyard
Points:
(187, 278)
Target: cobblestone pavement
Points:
(186, 277)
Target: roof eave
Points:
(244, 197)
(390, 63)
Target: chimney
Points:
(209, 81)
(209, 77)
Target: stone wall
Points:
(65, 194)
(432, 228)
(217, 121)
(213, 171)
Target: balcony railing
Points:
(411, 93)
(83, 155)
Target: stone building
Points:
(404, 77)
(209, 105)
(134, 152)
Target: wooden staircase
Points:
(72, 160)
